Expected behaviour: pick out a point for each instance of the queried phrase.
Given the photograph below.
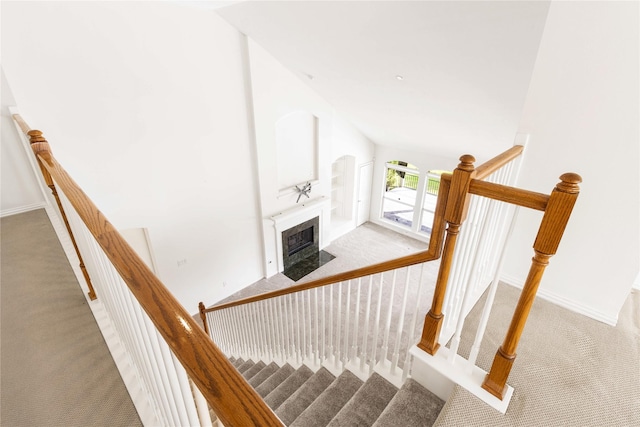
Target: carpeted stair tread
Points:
(300, 400)
(288, 387)
(330, 402)
(238, 362)
(264, 373)
(268, 385)
(413, 405)
(249, 373)
(246, 365)
(232, 360)
(364, 408)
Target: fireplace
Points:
(300, 242)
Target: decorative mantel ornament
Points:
(306, 189)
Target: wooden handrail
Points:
(490, 166)
(432, 253)
(23, 125)
(234, 401)
(504, 193)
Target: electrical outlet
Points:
(224, 284)
(182, 262)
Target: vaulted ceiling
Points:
(443, 76)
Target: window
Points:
(409, 198)
(401, 189)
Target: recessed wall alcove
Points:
(296, 150)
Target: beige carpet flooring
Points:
(570, 370)
(55, 368)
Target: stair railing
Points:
(165, 347)
(557, 207)
(339, 321)
(345, 321)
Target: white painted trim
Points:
(469, 377)
(563, 302)
(22, 209)
(636, 283)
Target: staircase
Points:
(304, 398)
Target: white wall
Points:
(582, 111)
(144, 103)
(20, 190)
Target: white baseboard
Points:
(22, 209)
(563, 301)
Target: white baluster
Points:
(275, 326)
(251, 337)
(376, 328)
(365, 332)
(292, 330)
(310, 333)
(282, 306)
(484, 319)
(468, 295)
(316, 327)
(356, 322)
(400, 328)
(323, 356)
(347, 310)
(303, 321)
(387, 325)
(338, 356)
(331, 349)
(267, 330)
(180, 380)
(412, 328)
(299, 349)
(202, 406)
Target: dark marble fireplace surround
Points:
(293, 236)
(301, 252)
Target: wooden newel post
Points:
(455, 214)
(42, 150)
(203, 316)
(554, 221)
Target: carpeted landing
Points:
(302, 398)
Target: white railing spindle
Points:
(365, 335)
(400, 327)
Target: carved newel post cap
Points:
(35, 136)
(466, 162)
(569, 182)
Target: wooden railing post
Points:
(203, 316)
(553, 224)
(455, 213)
(41, 148)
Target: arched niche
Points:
(297, 150)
